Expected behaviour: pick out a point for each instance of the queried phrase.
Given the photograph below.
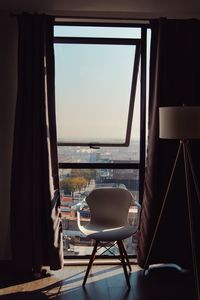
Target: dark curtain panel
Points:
(174, 80)
(35, 199)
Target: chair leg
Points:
(90, 262)
(126, 256)
(119, 243)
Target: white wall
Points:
(8, 68)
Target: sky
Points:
(93, 84)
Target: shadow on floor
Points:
(157, 284)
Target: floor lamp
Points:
(182, 123)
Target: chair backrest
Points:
(109, 206)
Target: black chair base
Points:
(123, 258)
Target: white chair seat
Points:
(101, 233)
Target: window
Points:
(100, 110)
(96, 79)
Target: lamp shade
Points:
(179, 122)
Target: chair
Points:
(109, 209)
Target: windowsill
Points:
(98, 261)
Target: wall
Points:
(137, 8)
(8, 68)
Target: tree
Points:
(70, 185)
(79, 183)
(67, 185)
(85, 173)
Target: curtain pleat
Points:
(35, 217)
(174, 80)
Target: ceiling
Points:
(137, 8)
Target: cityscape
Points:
(75, 184)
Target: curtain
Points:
(174, 80)
(35, 216)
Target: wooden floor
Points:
(105, 282)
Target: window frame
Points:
(109, 41)
(142, 148)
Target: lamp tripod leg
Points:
(190, 216)
(162, 208)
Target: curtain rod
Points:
(95, 19)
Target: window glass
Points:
(93, 85)
(75, 184)
(95, 31)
